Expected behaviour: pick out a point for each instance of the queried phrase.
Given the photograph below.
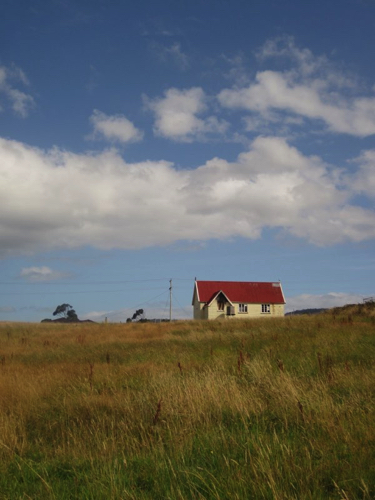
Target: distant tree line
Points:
(65, 314)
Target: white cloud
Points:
(237, 71)
(284, 47)
(173, 52)
(364, 180)
(20, 102)
(326, 301)
(60, 199)
(312, 89)
(114, 128)
(97, 316)
(43, 273)
(154, 310)
(176, 115)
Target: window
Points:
(242, 308)
(266, 308)
(220, 305)
(230, 311)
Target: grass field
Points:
(268, 409)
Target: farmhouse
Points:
(237, 299)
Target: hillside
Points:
(366, 309)
(269, 409)
(299, 312)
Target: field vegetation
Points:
(258, 409)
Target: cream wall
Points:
(253, 311)
(200, 312)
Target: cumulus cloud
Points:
(304, 62)
(115, 128)
(176, 115)
(20, 102)
(364, 180)
(326, 301)
(58, 199)
(312, 89)
(43, 273)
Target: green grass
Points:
(268, 409)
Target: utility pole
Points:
(170, 300)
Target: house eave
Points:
(196, 291)
(215, 296)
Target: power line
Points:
(137, 305)
(73, 292)
(51, 283)
(181, 306)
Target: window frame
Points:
(266, 308)
(242, 308)
(221, 306)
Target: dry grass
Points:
(275, 409)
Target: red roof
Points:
(249, 292)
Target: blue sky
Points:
(147, 141)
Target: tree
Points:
(66, 311)
(138, 312)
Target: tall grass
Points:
(275, 409)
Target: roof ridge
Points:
(256, 292)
